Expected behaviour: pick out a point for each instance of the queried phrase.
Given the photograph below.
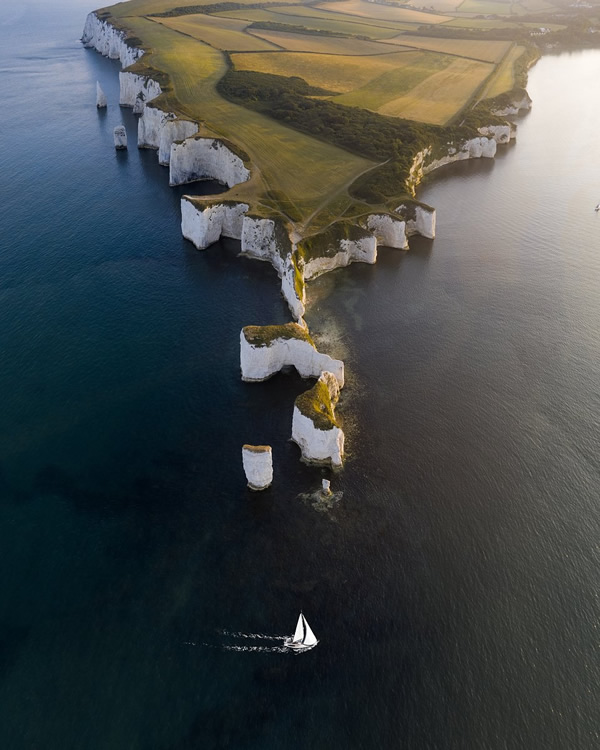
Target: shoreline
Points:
(297, 259)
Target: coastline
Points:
(296, 258)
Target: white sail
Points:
(299, 632)
(309, 637)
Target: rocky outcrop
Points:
(267, 239)
(109, 41)
(120, 136)
(516, 104)
(100, 96)
(500, 133)
(265, 350)
(133, 86)
(314, 426)
(203, 224)
(258, 466)
(388, 231)
(205, 159)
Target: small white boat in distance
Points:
(303, 638)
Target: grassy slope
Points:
(283, 159)
(321, 44)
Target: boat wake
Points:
(253, 636)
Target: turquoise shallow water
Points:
(454, 585)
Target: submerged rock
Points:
(258, 466)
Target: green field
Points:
(439, 97)
(475, 49)
(363, 9)
(221, 33)
(329, 45)
(503, 79)
(314, 18)
(339, 73)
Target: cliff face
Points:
(204, 226)
(109, 41)
(362, 250)
(205, 159)
(158, 129)
(267, 239)
(425, 161)
(260, 361)
(388, 231)
(314, 428)
(133, 86)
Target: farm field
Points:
(438, 98)
(313, 18)
(409, 71)
(485, 51)
(221, 33)
(283, 159)
(492, 7)
(503, 78)
(363, 9)
(336, 73)
(329, 45)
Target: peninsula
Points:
(322, 118)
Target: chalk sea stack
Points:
(258, 465)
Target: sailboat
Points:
(597, 207)
(303, 638)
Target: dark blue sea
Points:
(453, 583)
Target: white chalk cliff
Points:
(204, 224)
(419, 220)
(133, 86)
(361, 250)
(108, 41)
(388, 231)
(258, 466)
(267, 239)
(159, 130)
(314, 428)
(205, 159)
(265, 350)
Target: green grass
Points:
(316, 404)
(265, 335)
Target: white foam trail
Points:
(254, 636)
(270, 649)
